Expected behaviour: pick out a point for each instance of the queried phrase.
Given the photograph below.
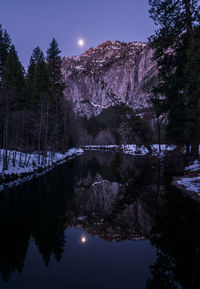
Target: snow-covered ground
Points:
(191, 182)
(142, 150)
(133, 149)
(100, 147)
(26, 166)
(27, 163)
(194, 166)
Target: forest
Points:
(100, 150)
(36, 117)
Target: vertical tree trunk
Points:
(187, 4)
(5, 140)
(159, 138)
(64, 127)
(196, 104)
(46, 132)
(40, 131)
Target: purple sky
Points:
(36, 22)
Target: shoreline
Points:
(185, 183)
(189, 184)
(8, 180)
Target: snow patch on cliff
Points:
(114, 66)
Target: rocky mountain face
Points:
(111, 73)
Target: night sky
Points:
(31, 23)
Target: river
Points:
(103, 220)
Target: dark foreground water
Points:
(103, 220)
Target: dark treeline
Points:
(176, 45)
(34, 115)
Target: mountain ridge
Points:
(113, 68)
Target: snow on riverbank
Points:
(132, 149)
(191, 181)
(191, 184)
(142, 150)
(194, 166)
(26, 163)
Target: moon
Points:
(81, 42)
(83, 239)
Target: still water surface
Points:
(103, 220)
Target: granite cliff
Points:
(114, 69)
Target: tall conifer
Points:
(171, 42)
(41, 103)
(29, 88)
(57, 102)
(5, 43)
(13, 73)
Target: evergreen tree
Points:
(4, 48)
(172, 41)
(5, 43)
(13, 73)
(54, 63)
(35, 57)
(41, 85)
(192, 91)
(41, 79)
(58, 105)
(11, 99)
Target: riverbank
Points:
(133, 149)
(189, 183)
(23, 167)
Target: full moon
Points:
(81, 42)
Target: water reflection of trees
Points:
(42, 209)
(39, 210)
(176, 235)
(175, 219)
(34, 211)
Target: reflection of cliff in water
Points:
(99, 192)
(114, 196)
